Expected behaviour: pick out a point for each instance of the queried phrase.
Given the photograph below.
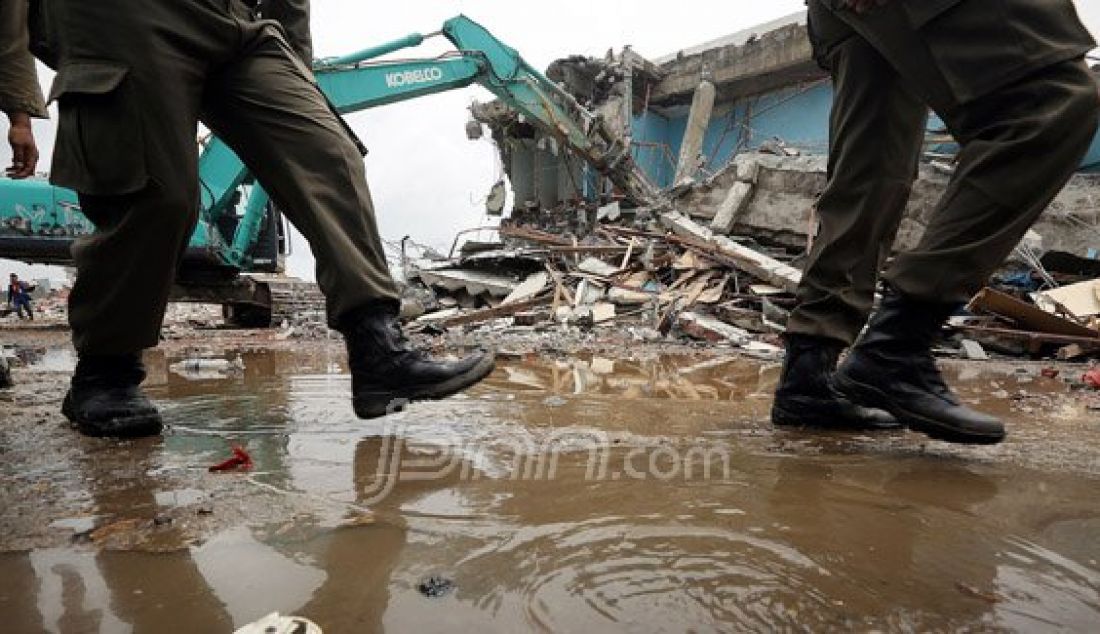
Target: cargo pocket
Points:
(975, 46)
(100, 147)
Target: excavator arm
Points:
(357, 82)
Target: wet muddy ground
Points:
(566, 493)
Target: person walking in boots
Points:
(132, 86)
(1009, 80)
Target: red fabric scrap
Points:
(1092, 378)
(240, 460)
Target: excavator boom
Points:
(235, 211)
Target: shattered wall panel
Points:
(787, 188)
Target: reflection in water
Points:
(798, 531)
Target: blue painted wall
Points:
(1092, 159)
(798, 115)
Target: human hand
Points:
(23, 148)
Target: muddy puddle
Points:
(585, 494)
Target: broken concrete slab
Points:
(603, 311)
(732, 207)
(751, 62)
(787, 187)
(702, 106)
(530, 287)
(439, 315)
(706, 328)
(609, 213)
(762, 266)
(595, 266)
(626, 297)
(748, 168)
(473, 282)
(588, 293)
(974, 350)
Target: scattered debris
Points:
(1092, 378)
(435, 587)
(977, 593)
(1076, 301)
(711, 329)
(240, 461)
(974, 350)
(200, 368)
(1014, 326)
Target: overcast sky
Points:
(428, 180)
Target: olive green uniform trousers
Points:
(1008, 79)
(132, 85)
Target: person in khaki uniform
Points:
(20, 96)
(1009, 80)
(131, 87)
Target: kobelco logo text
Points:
(406, 77)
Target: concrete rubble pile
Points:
(642, 278)
(735, 135)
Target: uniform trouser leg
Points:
(1019, 147)
(131, 153)
(875, 129)
(1020, 144)
(265, 107)
(126, 268)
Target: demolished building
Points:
(734, 134)
(737, 130)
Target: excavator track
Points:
(261, 301)
(294, 300)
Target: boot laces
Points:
(932, 377)
(401, 343)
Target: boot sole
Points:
(787, 418)
(873, 397)
(378, 403)
(137, 426)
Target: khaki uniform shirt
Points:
(19, 89)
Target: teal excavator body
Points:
(240, 231)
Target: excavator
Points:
(234, 257)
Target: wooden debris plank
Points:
(496, 313)
(1038, 337)
(1030, 317)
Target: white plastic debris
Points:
(275, 624)
(202, 368)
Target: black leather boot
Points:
(805, 397)
(891, 367)
(387, 373)
(105, 398)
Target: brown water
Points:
(574, 495)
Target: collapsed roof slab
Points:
(741, 66)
